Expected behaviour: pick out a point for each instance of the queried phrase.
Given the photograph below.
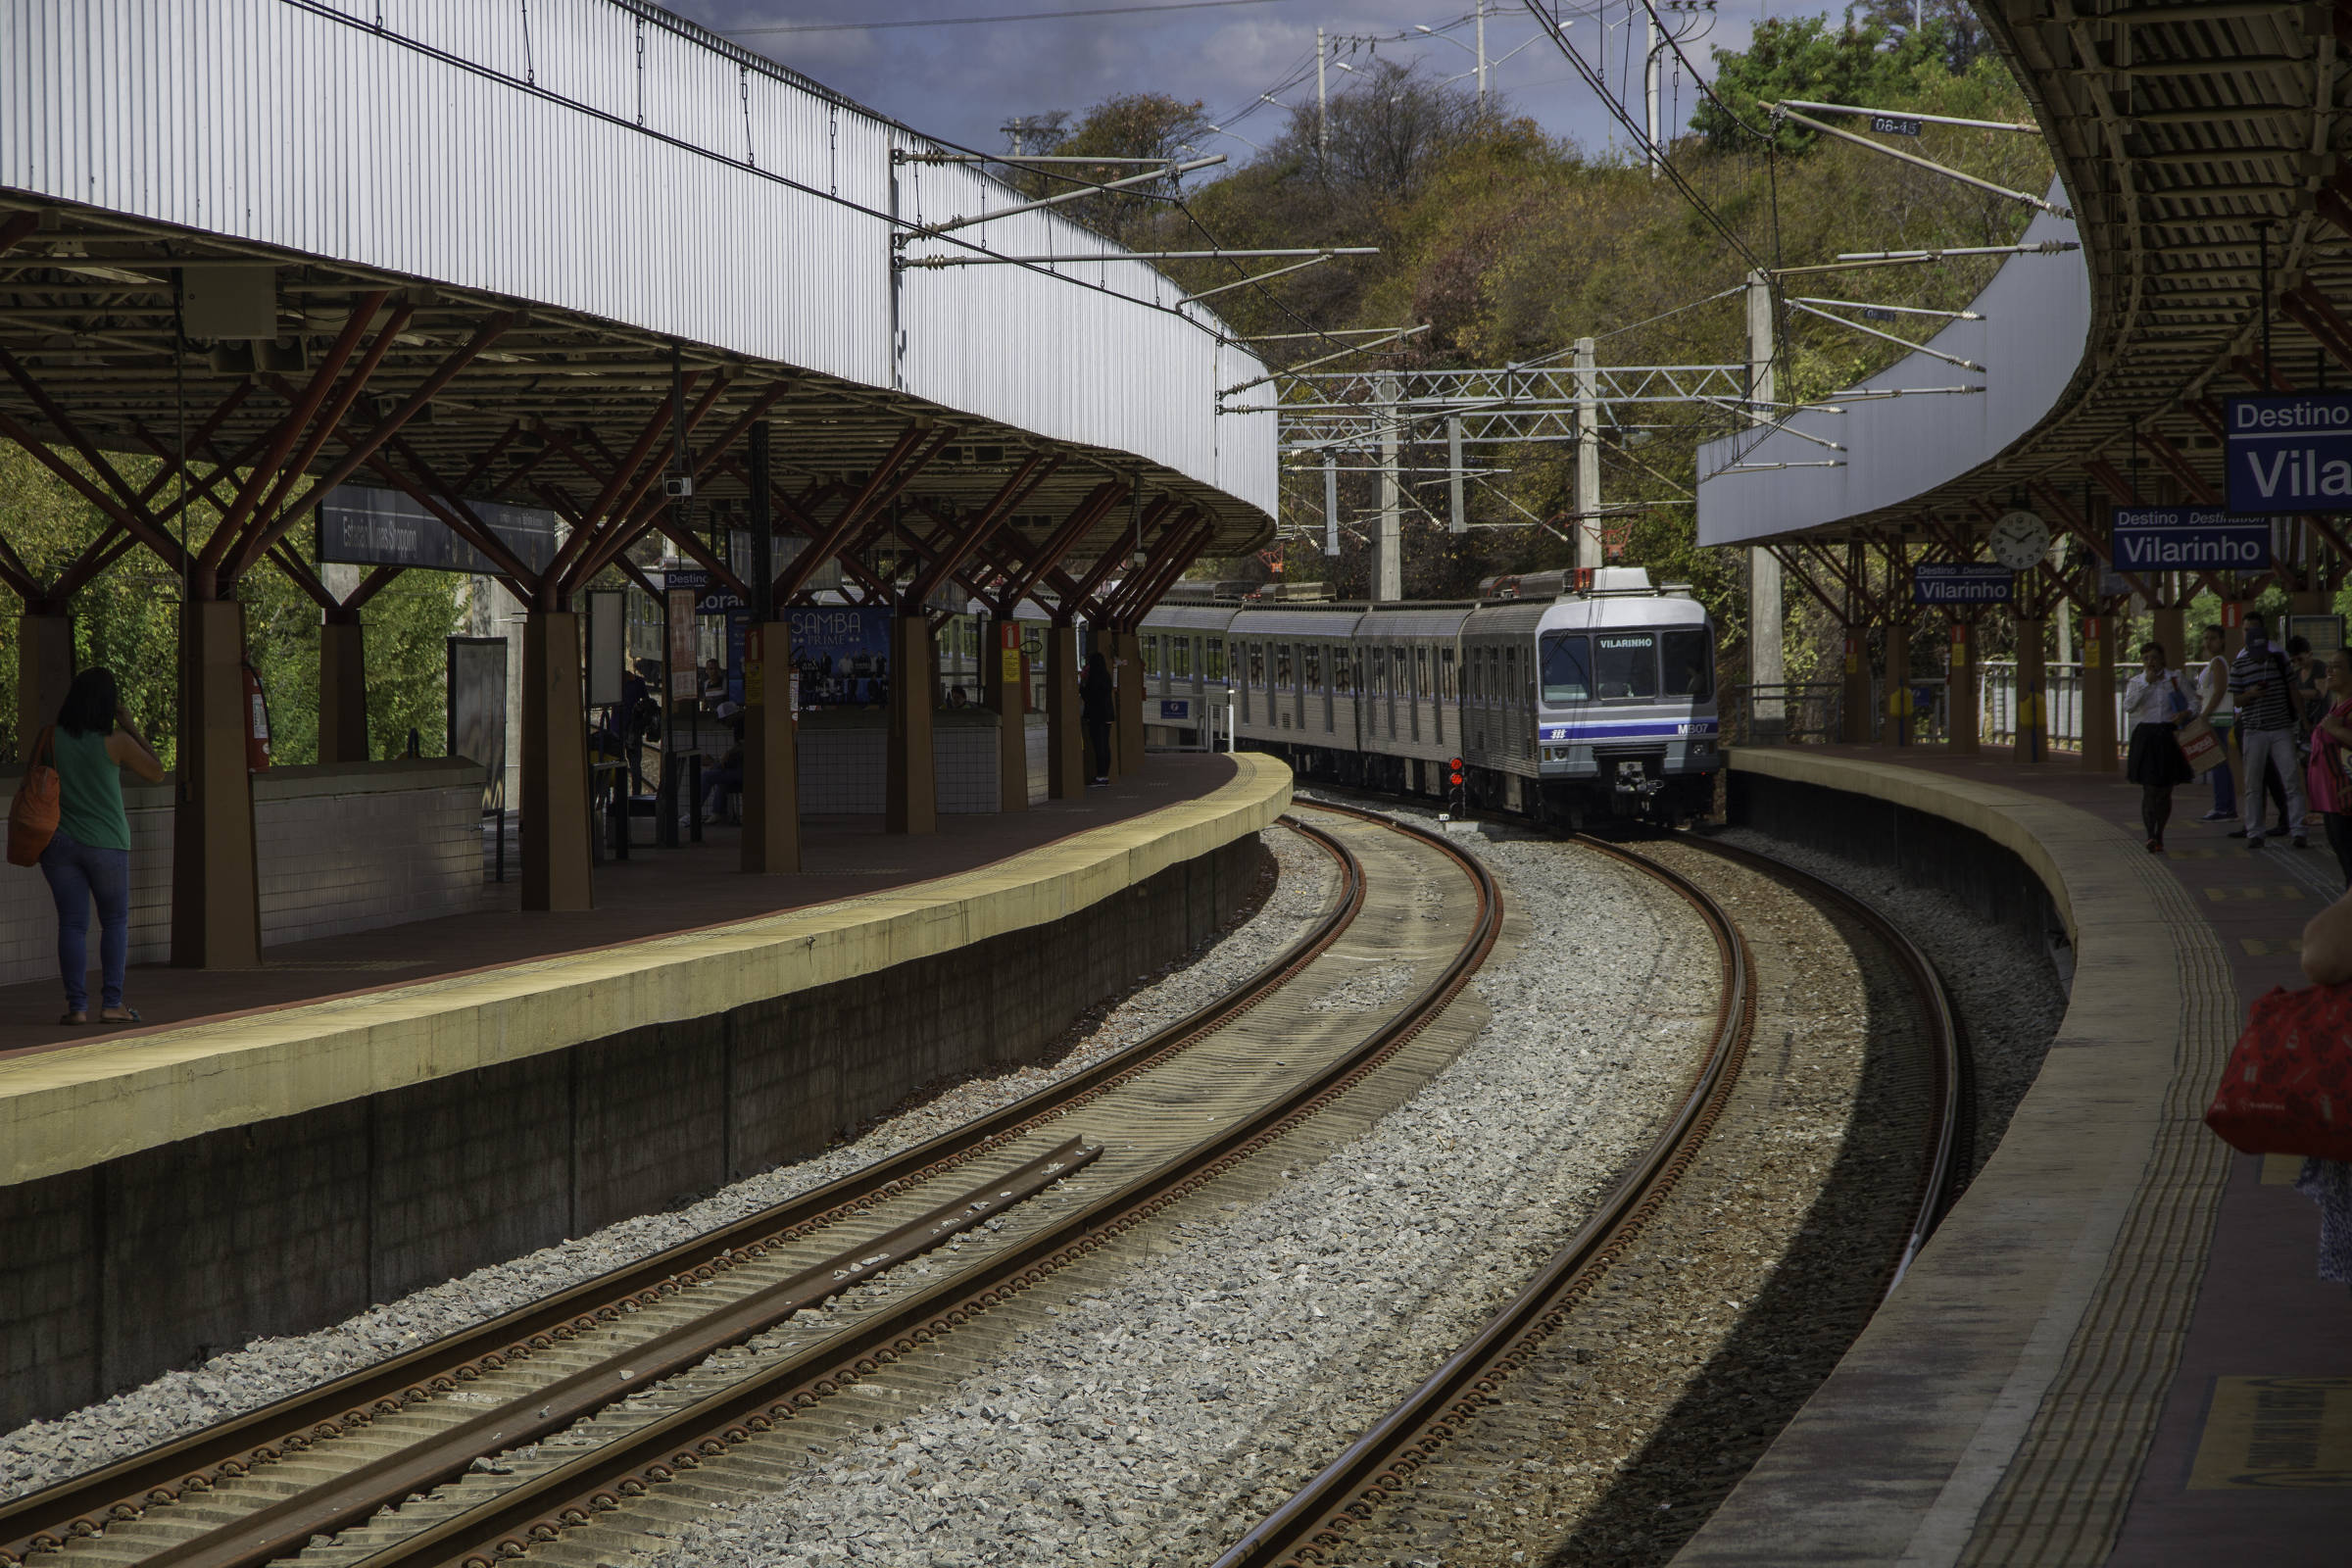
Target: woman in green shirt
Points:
(89, 855)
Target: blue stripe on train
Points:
(1671, 728)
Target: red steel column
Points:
(911, 803)
(44, 669)
(342, 691)
(1065, 736)
(554, 766)
(771, 785)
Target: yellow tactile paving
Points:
(63, 1110)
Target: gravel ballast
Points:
(2003, 983)
(1154, 1419)
(44, 1452)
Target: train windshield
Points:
(1567, 669)
(1624, 664)
(1690, 665)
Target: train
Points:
(1569, 698)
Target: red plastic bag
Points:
(2289, 1087)
(32, 814)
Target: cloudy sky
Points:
(964, 80)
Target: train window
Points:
(1311, 660)
(1151, 653)
(1624, 664)
(1180, 658)
(1421, 686)
(1213, 660)
(1446, 673)
(1689, 665)
(1258, 665)
(1282, 666)
(1567, 670)
(1511, 676)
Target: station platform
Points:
(2115, 1351)
(675, 934)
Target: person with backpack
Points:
(1097, 707)
(89, 856)
(2263, 688)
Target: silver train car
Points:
(1592, 703)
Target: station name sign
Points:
(711, 595)
(1946, 582)
(363, 527)
(2289, 454)
(2163, 538)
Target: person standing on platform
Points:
(2263, 687)
(1095, 712)
(2154, 703)
(636, 698)
(2213, 691)
(88, 857)
(2329, 778)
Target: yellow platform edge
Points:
(70, 1110)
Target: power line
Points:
(971, 21)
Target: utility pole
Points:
(1388, 583)
(1767, 668)
(1458, 521)
(1482, 54)
(1331, 502)
(1649, 94)
(1587, 551)
(1322, 107)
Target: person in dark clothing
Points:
(636, 699)
(1095, 711)
(2153, 703)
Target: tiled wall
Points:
(340, 850)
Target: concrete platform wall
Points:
(163, 1256)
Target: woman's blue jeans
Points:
(78, 875)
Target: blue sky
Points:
(963, 83)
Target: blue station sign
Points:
(2192, 538)
(2289, 454)
(1947, 582)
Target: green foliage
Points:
(1805, 58)
(128, 619)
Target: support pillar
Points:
(1960, 689)
(554, 766)
(2032, 691)
(1066, 737)
(1897, 685)
(2171, 630)
(772, 783)
(910, 803)
(216, 884)
(1127, 726)
(2099, 695)
(1853, 714)
(342, 690)
(44, 669)
(1005, 688)
(1767, 664)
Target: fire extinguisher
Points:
(257, 722)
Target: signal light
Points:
(1454, 770)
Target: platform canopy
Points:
(479, 253)
(2183, 134)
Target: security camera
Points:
(678, 486)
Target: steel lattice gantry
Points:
(562, 264)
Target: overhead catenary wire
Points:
(976, 22)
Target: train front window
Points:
(1567, 669)
(1690, 665)
(1624, 664)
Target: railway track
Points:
(622, 1401)
(1406, 1491)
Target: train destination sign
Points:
(2162, 538)
(361, 525)
(1946, 582)
(2289, 454)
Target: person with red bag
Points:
(2327, 776)
(88, 857)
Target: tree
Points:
(1803, 57)
(1142, 124)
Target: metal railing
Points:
(1792, 711)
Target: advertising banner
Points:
(842, 653)
(2289, 454)
(1946, 582)
(2191, 538)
